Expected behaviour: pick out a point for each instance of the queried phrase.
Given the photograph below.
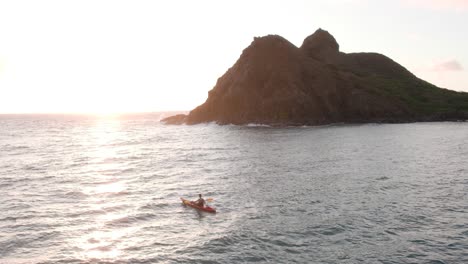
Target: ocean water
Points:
(77, 189)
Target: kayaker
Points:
(200, 202)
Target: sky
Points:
(113, 56)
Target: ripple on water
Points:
(331, 231)
(107, 191)
(130, 220)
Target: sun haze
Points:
(142, 56)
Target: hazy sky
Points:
(119, 56)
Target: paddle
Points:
(207, 200)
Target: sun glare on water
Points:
(106, 232)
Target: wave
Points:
(257, 125)
(275, 192)
(154, 206)
(87, 212)
(116, 194)
(33, 168)
(26, 260)
(330, 231)
(9, 147)
(76, 194)
(383, 178)
(130, 220)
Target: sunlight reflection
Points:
(106, 130)
(115, 187)
(107, 231)
(101, 244)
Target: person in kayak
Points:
(200, 202)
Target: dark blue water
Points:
(106, 190)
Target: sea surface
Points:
(84, 189)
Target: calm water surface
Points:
(106, 190)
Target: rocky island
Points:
(276, 83)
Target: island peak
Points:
(276, 83)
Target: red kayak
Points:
(204, 209)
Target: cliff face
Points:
(275, 82)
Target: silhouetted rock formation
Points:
(276, 83)
(176, 119)
(321, 46)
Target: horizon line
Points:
(92, 113)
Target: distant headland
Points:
(276, 83)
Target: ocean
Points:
(84, 189)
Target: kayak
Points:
(204, 209)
